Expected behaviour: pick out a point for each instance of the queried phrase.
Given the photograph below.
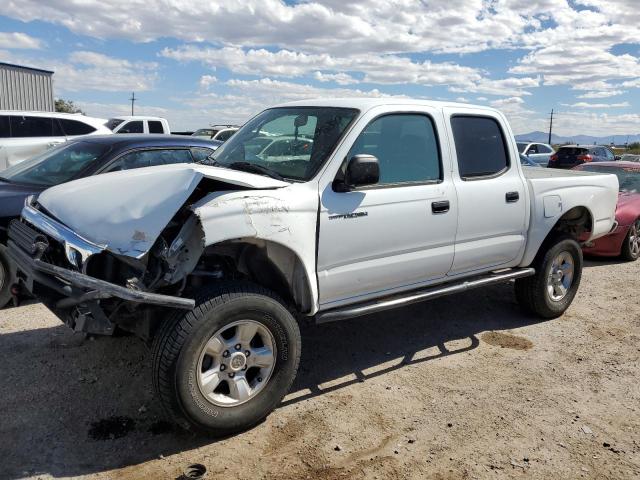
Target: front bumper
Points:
(68, 292)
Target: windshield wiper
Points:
(253, 168)
(2, 179)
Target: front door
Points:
(397, 234)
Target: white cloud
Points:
(597, 105)
(603, 94)
(206, 81)
(17, 40)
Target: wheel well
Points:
(266, 263)
(575, 223)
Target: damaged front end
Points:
(92, 289)
(101, 265)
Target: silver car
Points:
(538, 152)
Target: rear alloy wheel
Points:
(631, 244)
(551, 290)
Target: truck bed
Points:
(554, 192)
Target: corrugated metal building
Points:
(25, 88)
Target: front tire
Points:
(224, 366)
(631, 244)
(551, 290)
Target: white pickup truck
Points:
(390, 202)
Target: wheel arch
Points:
(272, 265)
(575, 223)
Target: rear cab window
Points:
(481, 147)
(155, 126)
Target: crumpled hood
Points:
(126, 211)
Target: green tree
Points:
(67, 106)
(634, 146)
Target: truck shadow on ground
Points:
(71, 406)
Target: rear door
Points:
(30, 136)
(492, 200)
(399, 233)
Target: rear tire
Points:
(551, 290)
(7, 277)
(631, 245)
(204, 381)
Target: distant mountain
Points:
(542, 137)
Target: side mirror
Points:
(617, 157)
(361, 170)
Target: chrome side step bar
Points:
(400, 300)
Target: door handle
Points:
(440, 207)
(512, 197)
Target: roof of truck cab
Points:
(367, 103)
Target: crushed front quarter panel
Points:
(127, 210)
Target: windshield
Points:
(522, 146)
(55, 166)
(291, 142)
(628, 178)
(113, 123)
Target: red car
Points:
(624, 240)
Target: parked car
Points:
(629, 157)
(221, 133)
(624, 240)
(568, 156)
(527, 162)
(281, 149)
(397, 201)
(25, 134)
(82, 158)
(138, 124)
(538, 152)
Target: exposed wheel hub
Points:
(238, 361)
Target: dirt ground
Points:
(462, 387)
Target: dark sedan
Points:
(569, 156)
(80, 158)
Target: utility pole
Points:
(133, 99)
(550, 127)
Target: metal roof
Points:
(5, 64)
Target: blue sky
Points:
(198, 63)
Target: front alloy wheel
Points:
(236, 363)
(225, 365)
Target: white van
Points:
(138, 124)
(25, 134)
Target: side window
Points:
(609, 154)
(150, 158)
(23, 126)
(544, 149)
(480, 146)
(405, 145)
(132, 127)
(5, 131)
(155, 126)
(75, 127)
(200, 154)
(225, 135)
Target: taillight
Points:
(553, 158)
(585, 158)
